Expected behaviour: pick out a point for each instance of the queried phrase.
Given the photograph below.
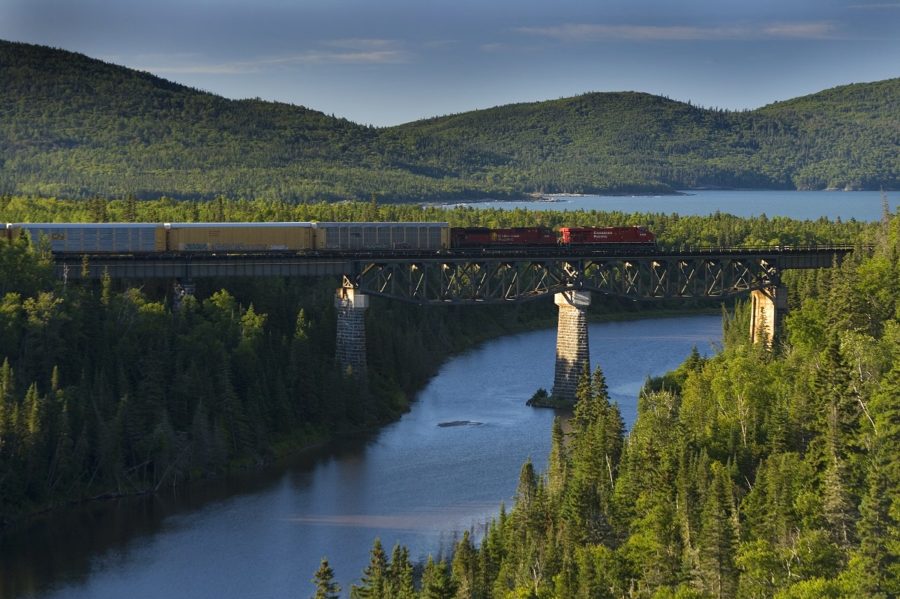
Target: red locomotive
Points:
(605, 235)
(472, 237)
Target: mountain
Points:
(76, 126)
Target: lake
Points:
(803, 205)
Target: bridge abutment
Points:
(572, 353)
(767, 309)
(350, 353)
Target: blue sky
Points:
(385, 62)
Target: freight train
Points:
(312, 237)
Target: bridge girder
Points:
(483, 277)
(511, 280)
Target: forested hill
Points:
(74, 126)
(846, 137)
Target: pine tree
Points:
(326, 588)
(557, 468)
(436, 582)
(877, 560)
(400, 575)
(716, 543)
(584, 401)
(527, 488)
(7, 382)
(374, 580)
(464, 569)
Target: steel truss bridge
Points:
(481, 277)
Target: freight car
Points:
(239, 237)
(600, 236)
(381, 236)
(475, 237)
(95, 238)
(309, 237)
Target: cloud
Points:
(582, 32)
(362, 44)
(345, 51)
(820, 30)
(875, 6)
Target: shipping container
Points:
(239, 237)
(516, 236)
(382, 236)
(606, 235)
(95, 238)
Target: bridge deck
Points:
(476, 276)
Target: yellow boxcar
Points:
(239, 237)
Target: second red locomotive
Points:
(605, 235)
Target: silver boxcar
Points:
(96, 238)
(382, 236)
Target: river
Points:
(802, 205)
(414, 482)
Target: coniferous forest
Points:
(753, 473)
(757, 473)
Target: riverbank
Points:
(414, 482)
(310, 438)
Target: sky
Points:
(386, 62)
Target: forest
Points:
(755, 473)
(76, 127)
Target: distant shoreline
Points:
(551, 198)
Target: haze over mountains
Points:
(73, 126)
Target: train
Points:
(312, 237)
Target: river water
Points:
(802, 205)
(414, 482)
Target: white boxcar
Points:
(95, 238)
(382, 236)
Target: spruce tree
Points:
(374, 580)
(326, 588)
(557, 468)
(716, 543)
(400, 575)
(464, 569)
(436, 582)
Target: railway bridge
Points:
(472, 277)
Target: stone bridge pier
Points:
(350, 353)
(767, 309)
(572, 353)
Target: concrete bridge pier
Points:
(572, 353)
(350, 353)
(767, 309)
